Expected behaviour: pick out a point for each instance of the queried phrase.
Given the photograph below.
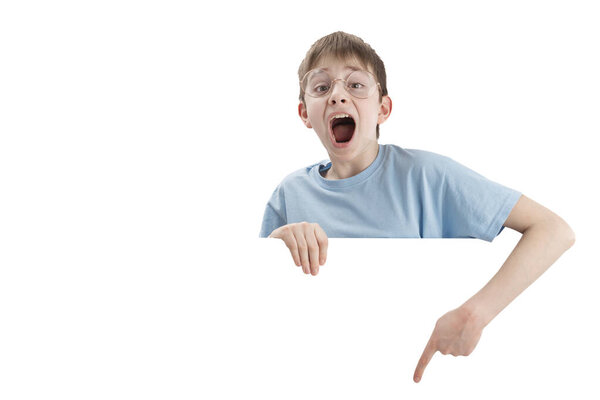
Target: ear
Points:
(303, 114)
(385, 109)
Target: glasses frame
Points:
(332, 84)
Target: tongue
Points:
(343, 132)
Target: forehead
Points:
(333, 64)
(346, 68)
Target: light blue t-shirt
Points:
(404, 193)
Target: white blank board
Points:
(250, 324)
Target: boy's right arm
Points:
(307, 243)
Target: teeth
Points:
(340, 116)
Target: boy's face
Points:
(317, 112)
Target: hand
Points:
(307, 243)
(456, 333)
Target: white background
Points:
(140, 142)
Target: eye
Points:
(321, 88)
(356, 85)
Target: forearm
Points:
(540, 246)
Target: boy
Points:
(373, 190)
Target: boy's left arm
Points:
(545, 238)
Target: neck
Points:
(342, 169)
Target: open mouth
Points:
(343, 129)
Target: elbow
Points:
(568, 233)
(570, 236)
(559, 229)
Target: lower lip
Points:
(344, 144)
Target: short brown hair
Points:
(343, 45)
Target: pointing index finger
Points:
(428, 353)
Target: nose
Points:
(338, 92)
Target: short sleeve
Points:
(275, 215)
(473, 206)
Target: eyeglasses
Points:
(318, 83)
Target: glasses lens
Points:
(317, 83)
(361, 84)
